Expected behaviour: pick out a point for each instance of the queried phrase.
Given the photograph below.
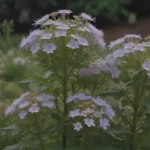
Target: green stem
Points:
(134, 123)
(38, 132)
(64, 136)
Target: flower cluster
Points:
(92, 111)
(28, 103)
(77, 32)
(146, 66)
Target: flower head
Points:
(104, 123)
(89, 122)
(73, 44)
(49, 48)
(78, 126)
(34, 108)
(60, 33)
(74, 113)
(41, 20)
(22, 114)
(86, 17)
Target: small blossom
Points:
(83, 29)
(60, 33)
(23, 104)
(22, 114)
(63, 27)
(34, 108)
(74, 113)
(45, 97)
(49, 22)
(86, 17)
(78, 126)
(146, 65)
(109, 111)
(49, 104)
(41, 20)
(128, 36)
(89, 122)
(99, 101)
(46, 36)
(49, 48)
(74, 44)
(34, 48)
(65, 11)
(116, 42)
(79, 96)
(118, 53)
(104, 123)
(10, 110)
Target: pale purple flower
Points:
(65, 11)
(60, 33)
(74, 113)
(146, 65)
(78, 126)
(82, 41)
(109, 111)
(46, 36)
(99, 101)
(25, 43)
(86, 17)
(73, 44)
(49, 48)
(33, 36)
(23, 104)
(49, 104)
(128, 36)
(20, 99)
(49, 22)
(83, 29)
(114, 72)
(79, 96)
(22, 114)
(35, 47)
(10, 110)
(89, 122)
(63, 27)
(116, 42)
(118, 53)
(97, 36)
(104, 123)
(45, 97)
(87, 111)
(41, 20)
(34, 108)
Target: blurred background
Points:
(115, 17)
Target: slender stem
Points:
(134, 125)
(38, 132)
(64, 137)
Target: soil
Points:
(142, 27)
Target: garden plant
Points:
(88, 95)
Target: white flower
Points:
(49, 48)
(49, 104)
(83, 29)
(74, 44)
(132, 36)
(60, 33)
(97, 35)
(10, 110)
(104, 123)
(109, 111)
(146, 65)
(34, 48)
(46, 36)
(45, 97)
(116, 42)
(81, 40)
(63, 27)
(49, 22)
(89, 122)
(41, 20)
(34, 35)
(22, 114)
(78, 126)
(74, 113)
(65, 11)
(86, 17)
(34, 108)
(23, 104)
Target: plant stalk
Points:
(64, 136)
(38, 132)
